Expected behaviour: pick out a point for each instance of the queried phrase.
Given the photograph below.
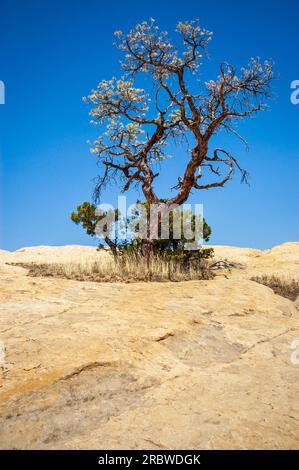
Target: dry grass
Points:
(288, 288)
(128, 269)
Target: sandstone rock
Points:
(194, 365)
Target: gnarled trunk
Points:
(112, 246)
(148, 247)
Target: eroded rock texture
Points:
(200, 364)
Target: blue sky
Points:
(54, 52)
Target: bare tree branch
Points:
(138, 130)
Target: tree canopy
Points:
(178, 106)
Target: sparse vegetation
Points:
(130, 267)
(288, 288)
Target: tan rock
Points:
(194, 365)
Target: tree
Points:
(88, 216)
(183, 109)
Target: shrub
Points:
(86, 215)
(288, 288)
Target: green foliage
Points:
(171, 243)
(190, 258)
(86, 216)
(172, 248)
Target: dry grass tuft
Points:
(127, 269)
(288, 288)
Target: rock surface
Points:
(193, 365)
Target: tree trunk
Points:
(148, 247)
(112, 246)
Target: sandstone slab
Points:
(191, 365)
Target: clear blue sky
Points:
(53, 52)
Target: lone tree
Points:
(183, 109)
